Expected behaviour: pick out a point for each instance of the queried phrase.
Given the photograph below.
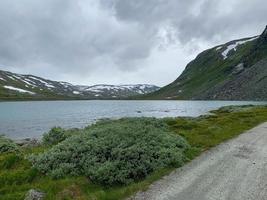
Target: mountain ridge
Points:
(24, 87)
(235, 70)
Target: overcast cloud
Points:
(118, 41)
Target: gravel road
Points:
(235, 170)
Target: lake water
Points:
(33, 118)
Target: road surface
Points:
(235, 170)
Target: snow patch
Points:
(128, 86)
(18, 89)
(23, 80)
(65, 84)
(218, 48)
(76, 92)
(30, 81)
(45, 83)
(138, 88)
(234, 46)
(93, 90)
(2, 79)
(102, 88)
(106, 87)
(142, 87)
(11, 77)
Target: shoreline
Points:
(33, 129)
(201, 133)
(29, 140)
(130, 99)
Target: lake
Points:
(33, 118)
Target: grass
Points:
(224, 124)
(17, 176)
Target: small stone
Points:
(33, 194)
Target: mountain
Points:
(18, 86)
(236, 70)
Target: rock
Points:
(239, 68)
(28, 142)
(265, 32)
(33, 194)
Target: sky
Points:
(119, 41)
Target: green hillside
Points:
(236, 70)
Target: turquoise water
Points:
(33, 118)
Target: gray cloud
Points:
(127, 40)
(196, 19)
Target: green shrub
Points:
(114, 152)
(7, 145)
(57, 135)
(54, 136)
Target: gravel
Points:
(235, 170)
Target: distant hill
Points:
(24, 87)
(236, 70)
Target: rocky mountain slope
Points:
(18, 86)
(236, 70)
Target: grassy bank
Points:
(17, 175)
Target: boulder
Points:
(27, 142)
(238, 68)
(33, 194)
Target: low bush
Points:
(115, 152)
(57, 135)
(54, 136)
(7, 145)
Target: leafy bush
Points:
(57, 135)
(7, 145)
(54, 136)
(114, 152)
